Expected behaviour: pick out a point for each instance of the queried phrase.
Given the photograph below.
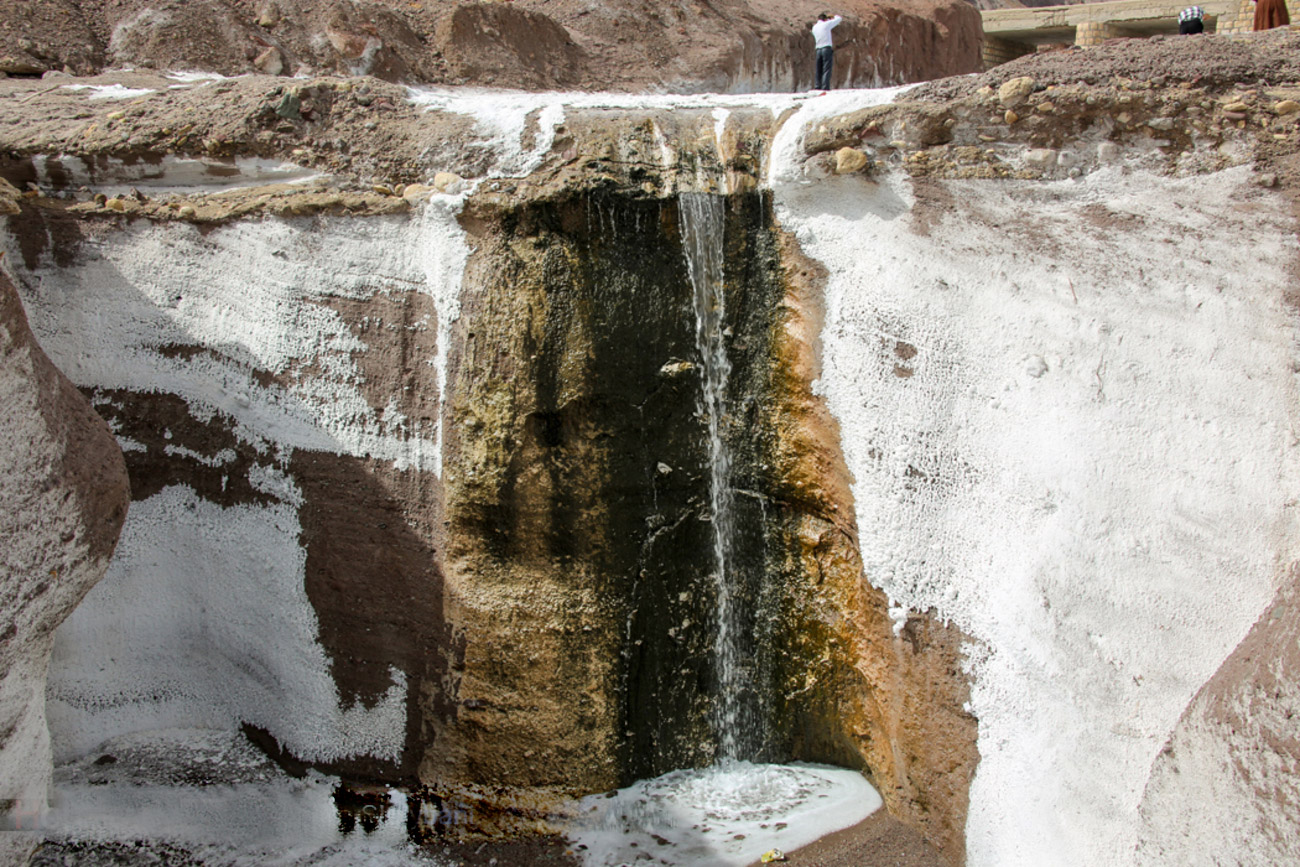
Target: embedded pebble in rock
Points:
(1041, 158)
(448, 182)
(1012, 93)
(849, 160)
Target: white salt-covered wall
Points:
(202, 619)
(1089, 464)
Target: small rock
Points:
(1107, 152)
(383, 189)
(1041, 158)
(1267, 180)
(1015, 91)
(850, 160)
(1010, 117)
(416, 192)
(289, 107)
(100, 199)
(1164, 124)
(115, 204)
(1236, 107)
(1286, 106)
(268, 15)
(987, 138)
(115, 115)
(188, 212)
(1123, 117)
(270, 61)
(1235, 115)
(674, 369)
(363, 99)
(448, 182)
(1046, 107)
(1036, 366)
(663, 468)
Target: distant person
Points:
(1270, 14)
(825, 53)
(1191, 20)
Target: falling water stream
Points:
(702, 220)
(734, 811)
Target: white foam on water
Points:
(720, 816)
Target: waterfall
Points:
(702, 219)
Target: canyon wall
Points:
(65, 490)
(630, 45)
(419, 471)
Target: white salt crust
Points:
(1088, 465)
(202, 622)
(1087, 468)
(240, 637)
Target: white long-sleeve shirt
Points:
(822, 32)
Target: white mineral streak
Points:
(444, 256)
(1087, 465)
(109, 91)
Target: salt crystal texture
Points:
(1108, 524)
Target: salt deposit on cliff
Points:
(1066, 404)
(1068, 410)
(242, 638)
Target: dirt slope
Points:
(673, 45)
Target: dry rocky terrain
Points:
(626, 45)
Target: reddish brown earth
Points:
(629, 45)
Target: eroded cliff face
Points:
(630, 45)
(65, 487)
(421, 477)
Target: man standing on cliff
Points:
(825, 53)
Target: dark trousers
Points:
(1194, 25)
(825, 62)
